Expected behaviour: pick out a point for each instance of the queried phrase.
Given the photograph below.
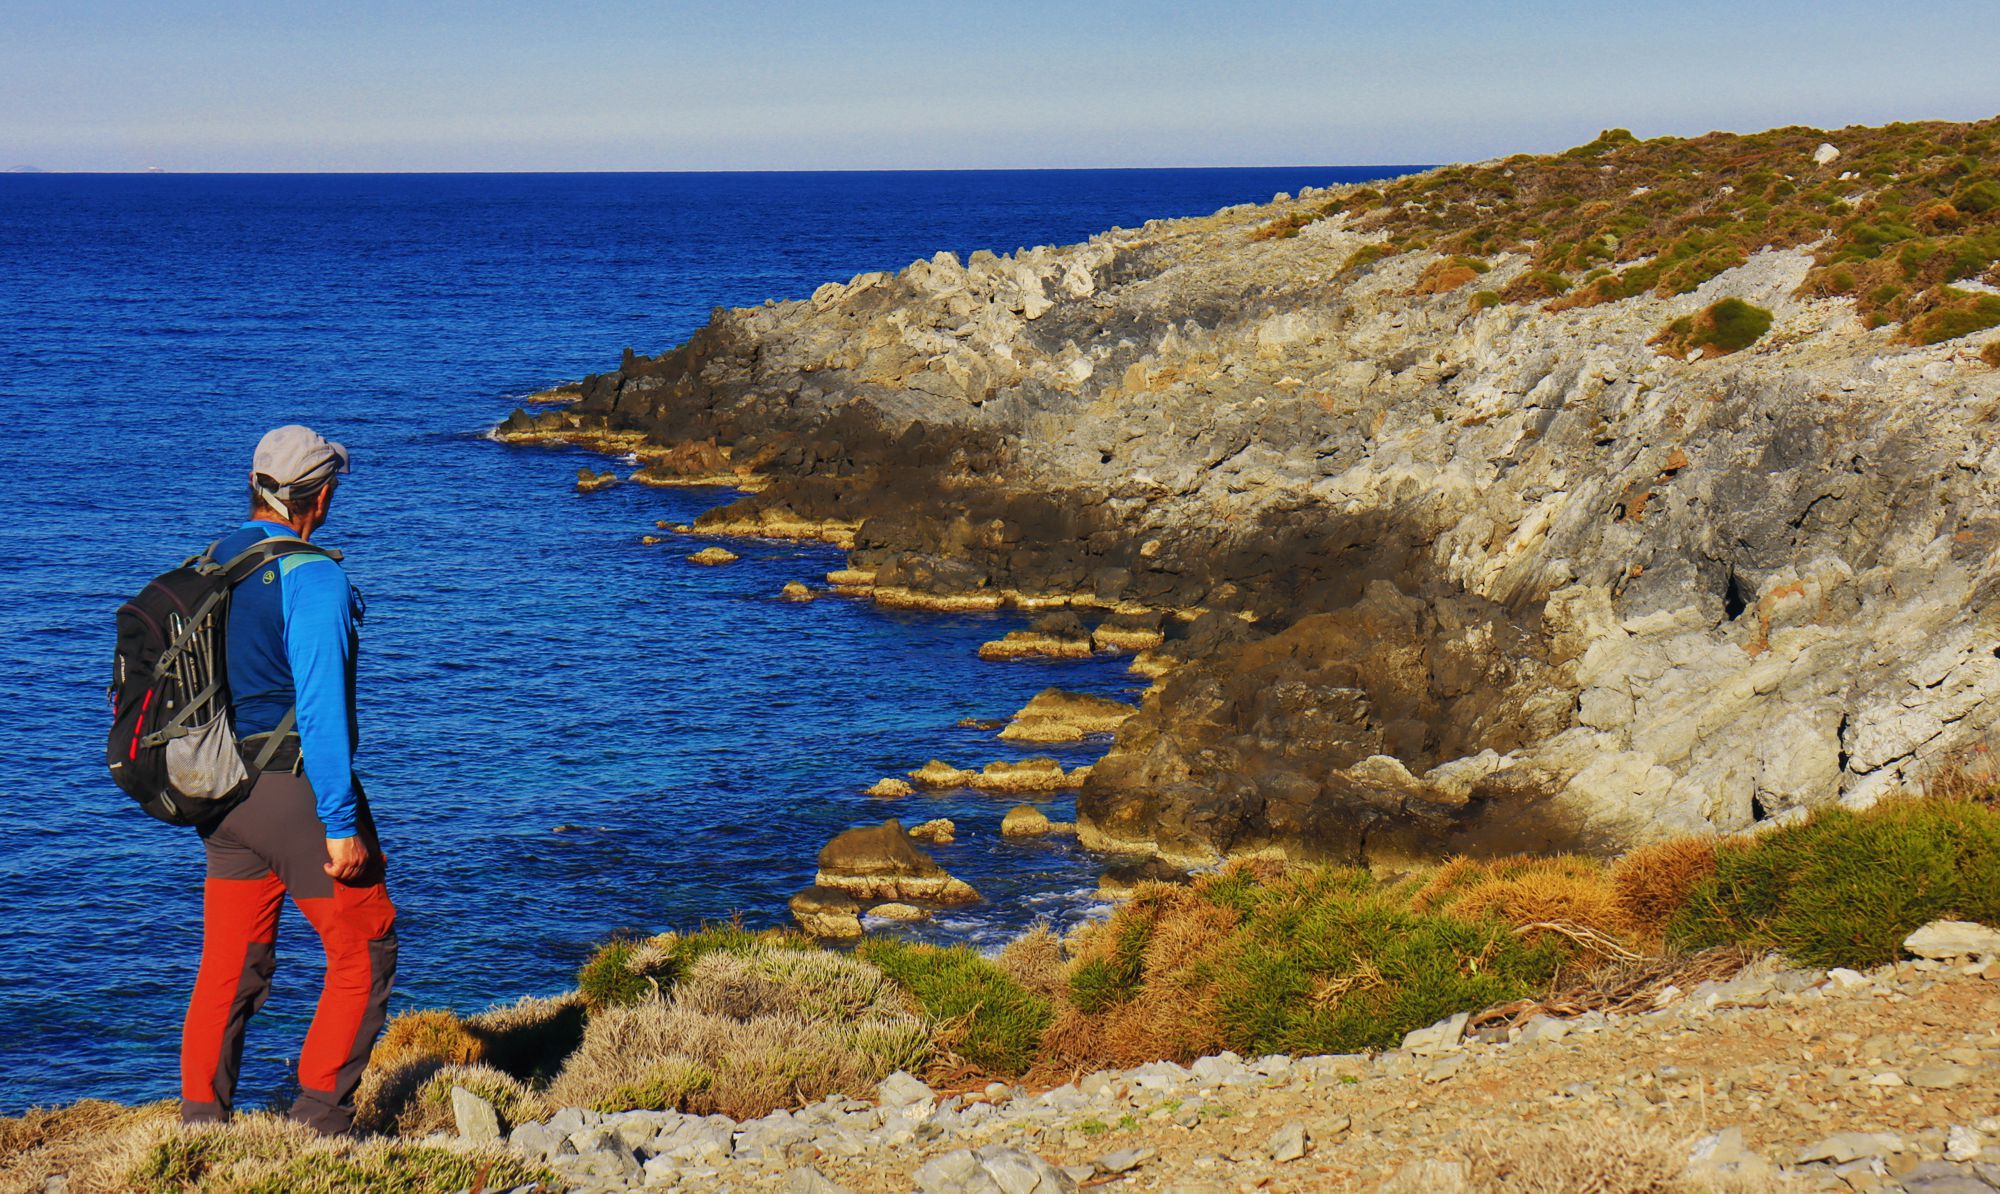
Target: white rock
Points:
(475, 1118)
(1963, 1144)
(902, 1090)
(1825, 154)
(1842, 1147)
(1288, 1143)
(1844, 978)
(1440, 1037)
(1946, 939)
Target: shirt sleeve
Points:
(320, 645)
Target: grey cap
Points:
(295, 455)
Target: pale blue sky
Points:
(630, 85)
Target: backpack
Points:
(172, 747)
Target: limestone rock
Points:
(714, 555)
(992, 1169)
(890, 788)
(1946, 939)
(940, 831)
(794, 591)
(1826, 154)
(940, 774)
(898, 913)
(880, 862)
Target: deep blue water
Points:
(526, 664)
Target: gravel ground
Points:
(1813, 1080)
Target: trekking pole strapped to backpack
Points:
(172, 746)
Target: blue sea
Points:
(566, 734)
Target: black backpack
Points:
(172, 747)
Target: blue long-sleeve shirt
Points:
(292, 640)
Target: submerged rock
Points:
(794, 591)
(880, 862)
(588, 481)
(1054, 636)
(1057, 716)
(1039, 774)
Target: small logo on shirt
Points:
(270, 575)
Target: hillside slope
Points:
(1463, 553)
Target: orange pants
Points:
(271, 844)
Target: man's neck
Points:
(271, 519)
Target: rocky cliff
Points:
(1459, 557)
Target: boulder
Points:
(898, 913)
(794, 591)
(880, 862)
(889, 788)
(714, 555)
(1024, 820)
(827, 912)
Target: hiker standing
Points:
(304, 826)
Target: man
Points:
(304, 828)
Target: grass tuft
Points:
(987, 1017)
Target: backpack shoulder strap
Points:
(240, 566)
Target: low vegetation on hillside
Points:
(1905, 219)
(1258, 957)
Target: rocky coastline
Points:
(1415, 573)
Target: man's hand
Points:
(349, 857)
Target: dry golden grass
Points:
(1036, 959)
(1593, 1158)
(745, 1034)
(95, 1143)
(1530, 893)
(1652, 881)
(431, 1033)
(1162, 945)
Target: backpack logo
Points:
(270, 576)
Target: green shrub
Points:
(1481, 300)
(1365, 255)
(1844, 888)
(1724, 326)
(996, 1023)
(1963, 315)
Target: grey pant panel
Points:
(277, 829)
